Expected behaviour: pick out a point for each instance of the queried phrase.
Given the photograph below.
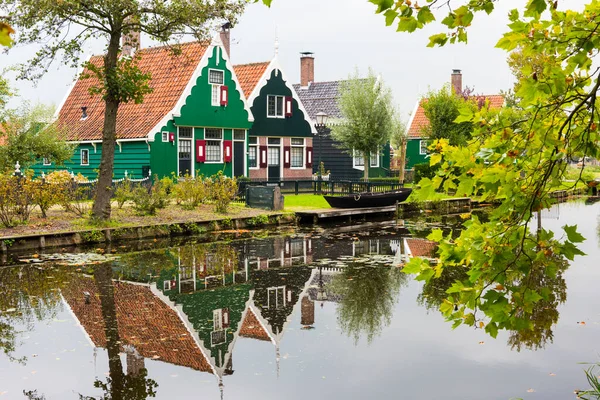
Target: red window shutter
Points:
(263, 156)
(309, 156)
(224, 95)
(288, 106)
(286, 156)
(200, 151)
(227, 154)
(171, 137)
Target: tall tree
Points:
(120, 79)
(29, 137)
(368, 113)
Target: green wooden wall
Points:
(294, 126)
(131, 157)
(198, 112)
(413, 156)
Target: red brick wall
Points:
(288, 173)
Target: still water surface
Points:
(307, 314)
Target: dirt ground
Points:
(59, 220)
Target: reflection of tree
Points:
(29, 294)
(368, 296)
(434, 291)
(118, 386)
(538, 322)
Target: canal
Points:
(306, 313)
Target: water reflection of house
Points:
(282, 252)
(417, 247)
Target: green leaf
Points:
(492, 329)
(435, 159)
(425, 15)
(436, 235)
(535, 8)
(390, 16)
(572, 234)
(437, 40)
(407, 24)
(382, 5)
(414, 266)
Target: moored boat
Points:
(363, 200)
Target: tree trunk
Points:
(402, 161)
(103, 278)
(101, 208)
(367, 161)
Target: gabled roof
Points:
(144, 321)
(418, 121)
(416, 247)
(252, 328)
(320, 97)
(249, 75)
(170, 75)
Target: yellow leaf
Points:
(481, 324)
(5, 31)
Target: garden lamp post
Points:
(321, 126)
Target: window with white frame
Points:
(359, 160)
(85, 157)
(214, 144)
(253, 152)
(186, 132)
(46, 161)
(165, 136)
(239, 134)
(423, 144)
(216, 78)
(297, 156)
(275, 106)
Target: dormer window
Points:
(84, 114)
(216, 78)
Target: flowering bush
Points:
(222, 191)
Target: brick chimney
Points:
(226, 37)
(456, 79)
(130, 41)
(307, 68)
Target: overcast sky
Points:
(344, 35)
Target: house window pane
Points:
(239, 134)
(359, 160)
(297, 142)
(274, 141)
(297, 157)
(273, 156)
(45, 161)
(215, 77)
(252, 157)
(253, 140)
(270, 106)
(186, 132)
(279, 109)
(85, 157)
(423, 148)
(215, 99)
(374, 161)
(213, 150)
(212, 133)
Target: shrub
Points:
(222, 191)
(190, 192)
(124, 192)
(423, 170)
(147, 200)
(9, 203)
(46, 194)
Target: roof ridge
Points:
(162, 47)
(252, 63)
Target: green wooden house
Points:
(281, 137)
(195, 121)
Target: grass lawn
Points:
(304, 202)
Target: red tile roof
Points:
(170, 75)
(144, 321)
(251, 328)
(249, 74)
(421, 247)
(419, 121)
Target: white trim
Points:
(81, 157)
(46, 161)
(217, 70)
(77, 322)
(362, 167)
(193, 148)
(162, 134)
(304, 155)
(274, 65)
(216, 43)
(245, 141)
(119, 144)
(257, 147)
(280, 146)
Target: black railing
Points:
(321, 187)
